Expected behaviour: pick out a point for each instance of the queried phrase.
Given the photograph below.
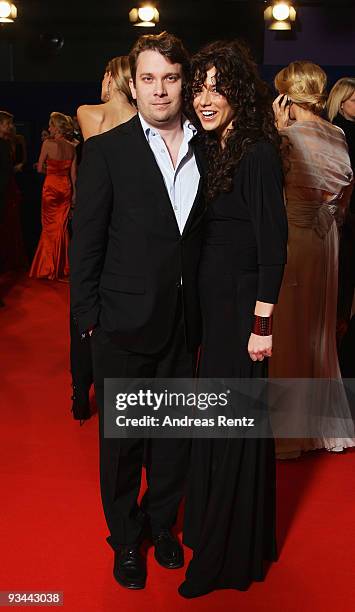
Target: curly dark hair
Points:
(238, 80)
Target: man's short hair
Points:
(168, 45)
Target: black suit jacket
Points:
(127, 255)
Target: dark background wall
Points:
(93, 32)
(324, 34)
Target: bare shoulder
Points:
(49, 144)
(71, 145)
(90, 111)
(90, 119)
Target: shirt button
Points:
(178, 284)
(175, 207)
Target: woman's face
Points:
(348, 107)
(212, 108)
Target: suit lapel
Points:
(154, 180)
(151, 173)
(198, 199)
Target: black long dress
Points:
(346, 284)
(230, 503)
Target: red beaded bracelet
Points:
(262, 326)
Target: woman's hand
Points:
(281, 110)
(259, 347)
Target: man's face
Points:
(158, 89)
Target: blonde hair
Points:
(63, 123)
(305, 84)
(120, 71)
(340, 92)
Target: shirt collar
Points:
(189, 129)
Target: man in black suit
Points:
(134, 257)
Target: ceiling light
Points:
(280, 15)
(280, 11)
(146, 16)
(8, 12)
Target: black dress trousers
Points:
(121, 460)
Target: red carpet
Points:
(52, 527)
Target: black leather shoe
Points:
(168, 551)
(129, 568)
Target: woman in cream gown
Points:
(318, 185)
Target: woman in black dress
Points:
(230, 507)
(341, 112)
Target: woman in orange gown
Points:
(58, 160)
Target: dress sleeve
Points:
(263, 193)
